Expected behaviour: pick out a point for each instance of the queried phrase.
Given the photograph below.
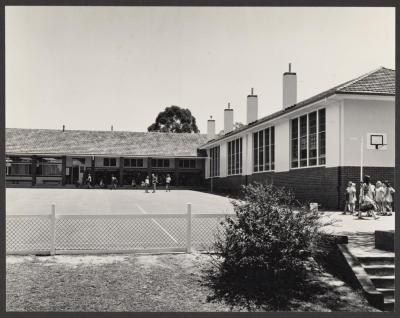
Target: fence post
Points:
(53, 230)
(189, 228)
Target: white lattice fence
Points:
(28, 234)
(63, 234)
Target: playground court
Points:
(95, 201)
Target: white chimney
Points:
(210, 128)
(228, 119)
(289, 88)
(252, 107)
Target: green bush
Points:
(271, 239)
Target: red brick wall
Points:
(323, 185)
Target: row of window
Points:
(53, 166)
(264, 150)
(308, 139)
(235, 156)
(308, 146)
(214, 161)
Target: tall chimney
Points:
(252, 107)
(289, 88)
(63, 128)
(228, 119)
(210, 128)
(112, 128)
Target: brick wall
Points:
(323, 185)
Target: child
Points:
(154, 182)
(367, 193)
(380, 197)
(352, 197)
(147, 184)
(167, 183)
(388, 197)
(347, 197)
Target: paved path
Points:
(361, 232)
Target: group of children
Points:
(372, 198)
(154, 181)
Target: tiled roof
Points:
(381, 81)
(114, 143)
(378, 82)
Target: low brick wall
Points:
(384, 240)
(320, 184)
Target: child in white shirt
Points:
(380, 197)
(388, 197)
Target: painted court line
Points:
(165, 231)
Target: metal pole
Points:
(53, 230)
(189, 228)
(361, 158)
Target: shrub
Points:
(271, 239)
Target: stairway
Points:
(380, 270)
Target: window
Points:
(214, 162)
(110, 162)
(160, 163)
(264, 150)
(187, 163)
(321, 136)
(312, 139)
(235, 156)
(50, 167)
(18, 166)
(308, 140)
(133, 162)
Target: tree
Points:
(265, 253)
(236, 125)
(176, 120)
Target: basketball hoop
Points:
(377, 141)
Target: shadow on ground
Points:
(319, 291)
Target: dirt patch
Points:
(164, 282)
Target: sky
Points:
(92, 67)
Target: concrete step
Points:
(376, 260)
(382, 281)
(381, 270)
(389, 305)
(387, 292)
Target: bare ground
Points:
(164, 282)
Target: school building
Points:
(314, 146)
(47, 157)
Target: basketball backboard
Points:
(377, 141)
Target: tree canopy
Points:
(176, 120)
(236, 125)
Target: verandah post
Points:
(53, 230)
(189, 228)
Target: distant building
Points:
(39, 157)
(312, 146)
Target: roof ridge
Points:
(105, 131)
(357, 79)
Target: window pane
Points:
(192, 164)
(127, 163)
(153, 162)
(295, 128)
(321, 118)
(106, 162)
(139, 162)
(113, 162)
(261, 150)
(312, 123)
(303, 126)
